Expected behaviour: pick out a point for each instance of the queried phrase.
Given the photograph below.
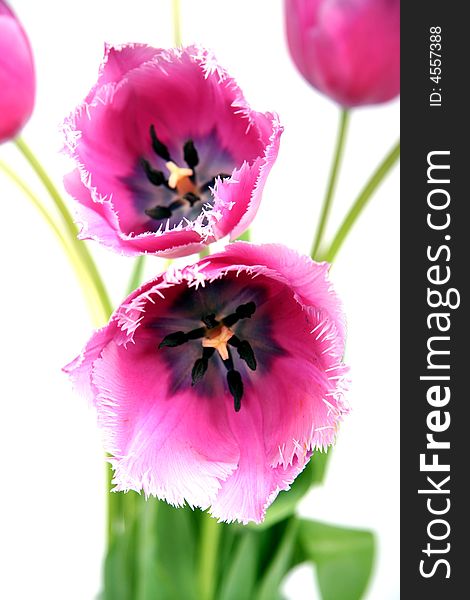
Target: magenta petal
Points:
(248, 492)
(199, 440)
(175, 448)
(17, 77)
(180, 97)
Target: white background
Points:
(52, 474)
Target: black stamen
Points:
(174, 339)
(228, 362)
(211, 182)
(158, 146)
(235, 386)
(199, 369)
(158, 212)
(154, 176)
(195, 334)
(244, 311)
(191, 156)
(210, 321)
(200, 366)
(191, 198)
(245, 351)
(178, 203)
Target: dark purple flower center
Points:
(185, 191)
(217, 335)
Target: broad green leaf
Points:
(175, 552)
(269, 586)
(319, 464)
(239, 575)
(117, 571)
(344, 558)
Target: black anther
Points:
(158, 146)
(195, 334)
(210, 321)
(198, 370)
(211, 182)
(235, 386)
(154, 176)
(191, 156)
(245, 352)
(200, 366)
(191, 198)
(158, 212)
(244, 311)
(174, 339)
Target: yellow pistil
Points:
(179, 178)
(217, 338)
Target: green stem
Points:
(136, 274)
(177, 23)
(209, 550)
(361, 202)
(338, 153)
(69, 249)
(79, 246)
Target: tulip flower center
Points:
(218, 335)
(186, 193)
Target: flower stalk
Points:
(71, 230)
(337, 156)
(208, 555)
(361, 201)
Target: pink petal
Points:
(349, 51)
(174, 447)
(17, 77)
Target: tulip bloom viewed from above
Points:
(214, 383)
(169, 155)
(348, 50)
(17, 77)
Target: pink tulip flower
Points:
(214, 383)
(17, 78)
(348, 49)
(169, 155)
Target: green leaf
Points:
(285, 504)
(344, 558)
(240, 577)
(269, 586)
(175, 552)
(117, 571)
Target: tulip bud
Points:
(17, 77)
(348, 50)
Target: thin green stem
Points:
(177, 23)
(36, 202)
(136, 274)
(337, 156)
(361, 202)
(208, 553)
(79, 246)
(69, 249)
